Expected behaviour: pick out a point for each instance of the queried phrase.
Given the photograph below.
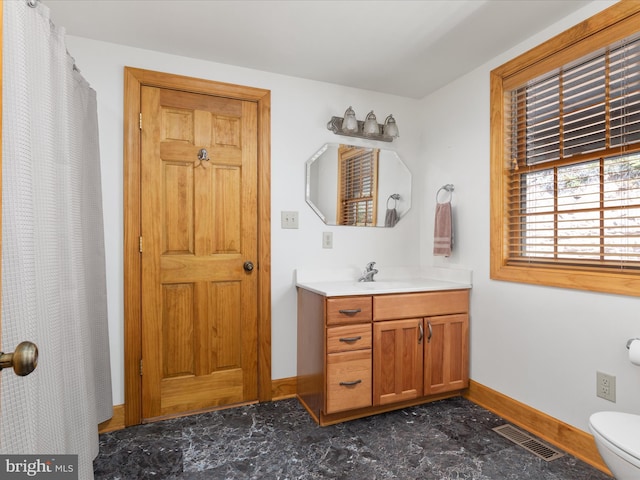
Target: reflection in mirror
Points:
(358, 186)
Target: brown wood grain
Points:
(446, 354)
(311, 351)
(345, 368)
(343, 310)
(407, 305)
(195, 211)
(349, 337)
(230, 131)
(397, 361)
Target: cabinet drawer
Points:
(348, 381)
(348, 310)
(348, 337)
(409, 305)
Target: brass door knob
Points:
(23, 361)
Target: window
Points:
(357, 185)
(565, 135)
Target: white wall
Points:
(539, 345)
(300, 111)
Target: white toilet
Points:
(617, 437)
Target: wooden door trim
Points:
(134, 80)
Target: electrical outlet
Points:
(606, 386)
(289, 219)
(327, 239)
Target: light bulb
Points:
(349, 122)
(371, 125)
(390, 127)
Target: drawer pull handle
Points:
(420, 333)
(430, 332)
(350, 311)
(351, 339)
(350, 384)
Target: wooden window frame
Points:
(612, 24)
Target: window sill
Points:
(593, 281)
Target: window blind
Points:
(574, 168)
(357, 185)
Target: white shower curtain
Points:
(53, 267)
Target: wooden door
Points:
(397, 360)
(446, 353)
(198, 228)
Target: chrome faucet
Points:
(369, 272)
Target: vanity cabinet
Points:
(366, 354)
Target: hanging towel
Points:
(391, 218)
(443, 231)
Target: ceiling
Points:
(408, 48)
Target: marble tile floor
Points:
(448, 439)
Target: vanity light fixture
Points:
(370, 129)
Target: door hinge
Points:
(140, 244)
(140, 120)
(140, 367)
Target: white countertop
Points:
(344, 282)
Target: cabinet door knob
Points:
(248, 266)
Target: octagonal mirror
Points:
(358, 186)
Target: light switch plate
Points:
(289, 219)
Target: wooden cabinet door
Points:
(446, 353)
(397, 360)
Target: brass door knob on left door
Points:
(23, 361)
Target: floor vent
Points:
(528, 442)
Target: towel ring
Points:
(448, 188)
(395, 197)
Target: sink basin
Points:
(384, 285)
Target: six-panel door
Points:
(199, 227)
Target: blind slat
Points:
(358, 184)
(565, 113)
